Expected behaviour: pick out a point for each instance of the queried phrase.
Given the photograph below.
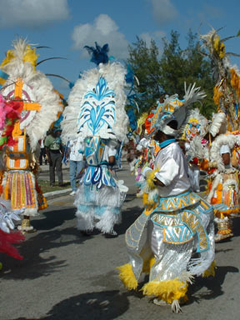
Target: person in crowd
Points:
(76, 161)
(55, 151)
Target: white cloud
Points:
(32, 13)
(163, 11)
(156, 36)
(102, 30)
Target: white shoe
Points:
(73, 193)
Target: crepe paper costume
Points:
(8, 237)
(223, 187)
(175, 224)
(96, 113)
(227, 89)
(38, 107)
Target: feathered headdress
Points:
(221, 140)
(174, 109)
(96, 103)
(227, 89)
(28, 85)
(218, 124)
(99, 54)
(196, 125)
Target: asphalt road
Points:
(65, 276)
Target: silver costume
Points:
(176, 234)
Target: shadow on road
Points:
(53, 218)
(128, 217)
(212, 285)
(104, 305)
(32, 250)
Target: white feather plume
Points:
(219, 124)
(42, 90)
(114, 74)
(192, 94)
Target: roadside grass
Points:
(44, 184)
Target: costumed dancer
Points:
(9, 114)
(38, 108)
(8, 237)
(96, 113)
(176, 223)
(196, 128)
(224, 186)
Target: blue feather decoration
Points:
(132, 119)
(129, 77)
(99, 54)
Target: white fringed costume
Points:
(173, 239)
(96, 113)
(40, 106)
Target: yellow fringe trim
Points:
(168, 291)
(146, 201)
(147, 265)
(127, 276)
(150, 179)
(210, 272)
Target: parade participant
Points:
(7, 235)
(176, 222)
(224, 186)
(38, 108)
(96, 113)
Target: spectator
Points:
(76, 162)
(42, 156)
(54, 151)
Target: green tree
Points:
(163, 75)
(146, 67)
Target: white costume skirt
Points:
(98, 208)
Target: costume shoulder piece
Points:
(96, 104)
(39, 103)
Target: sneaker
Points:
(73, 193)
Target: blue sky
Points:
(67, 25)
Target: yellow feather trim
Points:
(127, 276)
(29, 56)
(150, 179)
(168, 291)
(210, 271)
(147, 265)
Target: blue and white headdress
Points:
(96, 104)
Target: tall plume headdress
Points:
(40, 104)
(174, 109)
(226, 93)
(96, 103)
